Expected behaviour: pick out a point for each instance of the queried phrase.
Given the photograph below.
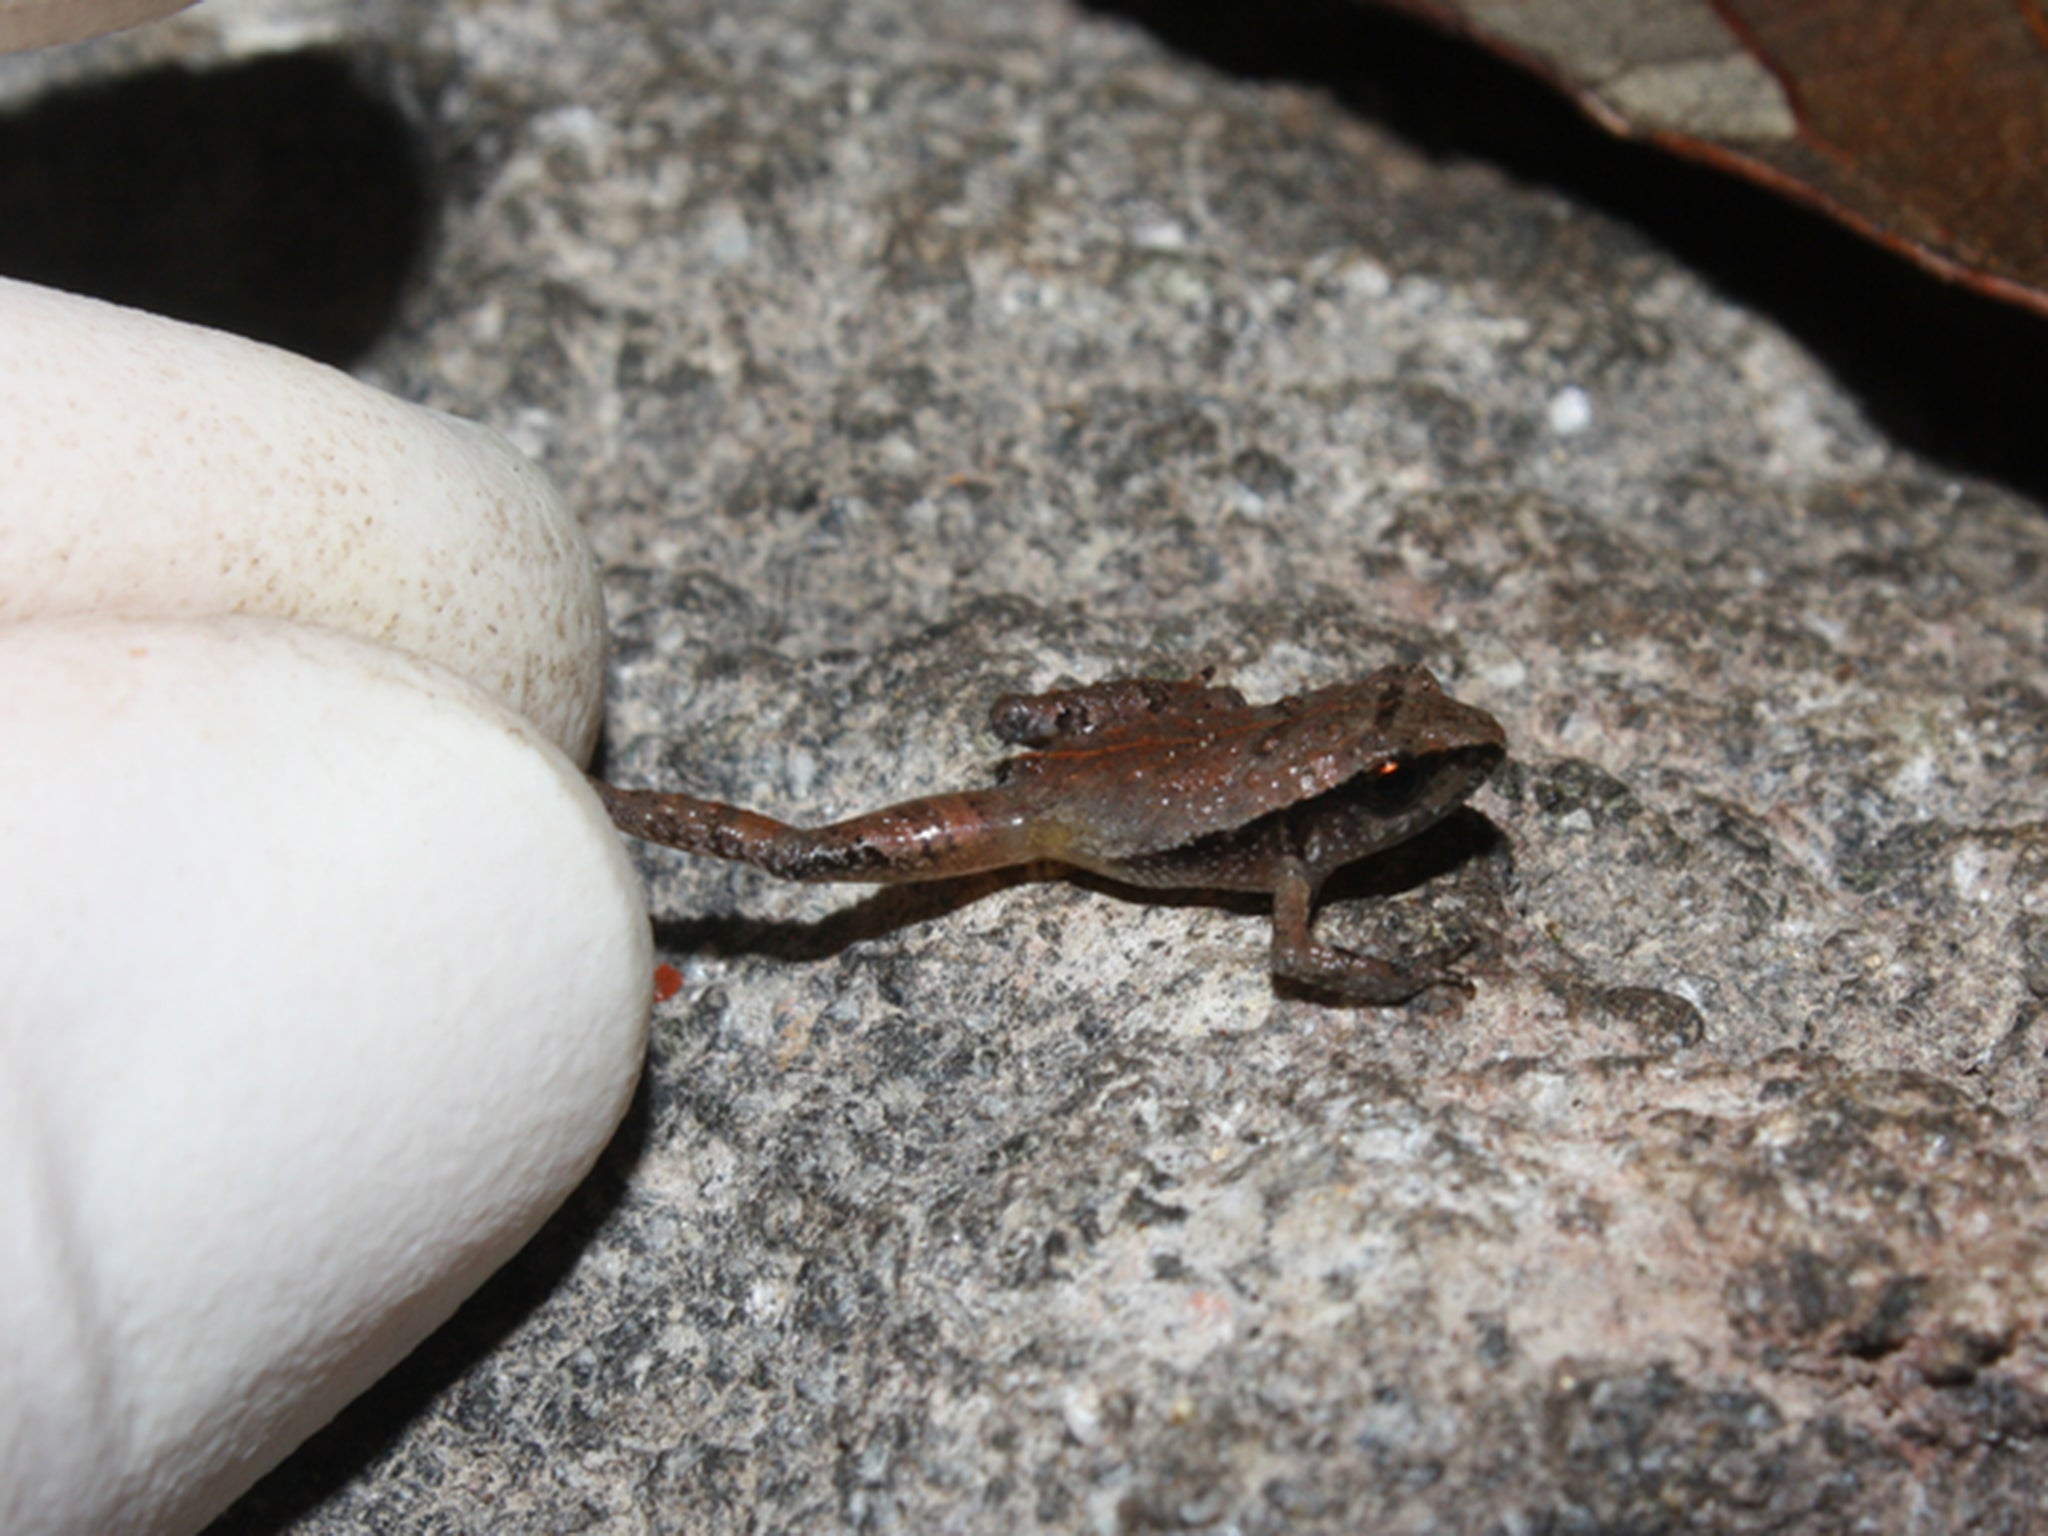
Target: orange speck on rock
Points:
(668, 981)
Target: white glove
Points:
(323, 978)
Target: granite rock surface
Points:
(900, 353)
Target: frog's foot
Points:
(1359, 978)
(1344, 973)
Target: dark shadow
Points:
(1243, 903)
(885, 910)
(1959, 378)
(282, 199)
(373, 1423)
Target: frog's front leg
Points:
(928, 839)
(1360, 978)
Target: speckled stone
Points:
(899, 353)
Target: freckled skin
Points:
(1163, 784)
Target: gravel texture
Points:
(900, 353)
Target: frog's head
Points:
(1419, 752)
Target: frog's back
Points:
(1143, 786)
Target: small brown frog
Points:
(1160, 784)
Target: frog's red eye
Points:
(1392, 785)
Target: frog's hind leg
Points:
(930, 839)
(701, 826)
(1326, 968)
